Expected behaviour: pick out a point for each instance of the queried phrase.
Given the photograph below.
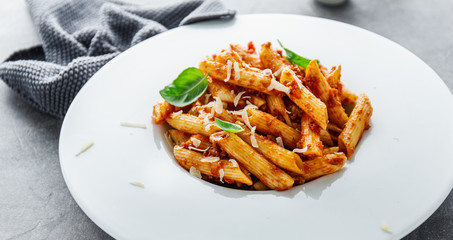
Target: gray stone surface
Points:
(34, 200)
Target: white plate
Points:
(401, 172)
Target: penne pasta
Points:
(259, 121)
(178, 137)
(161, 111)
(249, 78)
(358, 121)
(319, 86)
(303, 98)
(268, 124)
(277, 108)
(323, 165)
(310, 137)
(231, 173)
(266, 172)
(191, 124)
(249, 55)
(277, 155)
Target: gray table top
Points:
(34, 200)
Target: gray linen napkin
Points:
(80, 36)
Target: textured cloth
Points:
(80, 36)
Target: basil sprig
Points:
(295, 58)
(227, 126)
(186, 88)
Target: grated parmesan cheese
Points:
(221, 175)
(195, 172)
(232, 91)
(277, 86)
(287, 111)
(196, 142)
(206, 99)
(299, 83)
(277, 73)
(210, 159)
(218, 105)
(177, 113)
(229, 63)
(250, 106)
(237, 98)
(237, 74)
(235, 112)
(300, 150)
(279, 142)
(198, 149)
(85, 147)
(253, 138)
(246, 97)
(386, 227)
(245, 118)
(130, 124)
(234, 162)
(138, 184)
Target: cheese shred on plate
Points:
(85, 147)
(385, 227)
(138, 184)
(237, 98)
(253, 138)
(195, 172)
(277, 73)
(136, 125)
(229, 63)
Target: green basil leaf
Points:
(186, 88)
(227, 126)
(295, 58)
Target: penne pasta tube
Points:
(330, 150)
(268, 124)
(191, 124)
(310, 137)
(326, 138)
(323, 165)
(270, 58)
(178, 137)
(303, 98)
(277, 108)
(257, 100)
(347, 97)
(266, 172)
(249, 78)
(277, 155)
(335, 110)
(333, 78)
(358, 121)
(334, 128)
(222, 90)
(231, 172)
(319, 86)
(161, 111)
(248, 55)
